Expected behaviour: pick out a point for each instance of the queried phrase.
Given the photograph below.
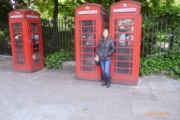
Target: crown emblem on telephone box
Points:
(124, 5)
(87, 8)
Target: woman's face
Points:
(105, 33)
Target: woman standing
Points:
(105, 50)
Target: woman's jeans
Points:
(105, 65)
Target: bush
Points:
(55, 60)
(170, 62)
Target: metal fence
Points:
(158, 36)
(58, 35)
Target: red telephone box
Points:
(26, 40)
(125, 29)
(90, 19)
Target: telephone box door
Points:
(35, 44)
(18, 48)
(87, 45)
(125, 31)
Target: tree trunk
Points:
(55, 27)
(55, 12)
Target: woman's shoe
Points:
(108, 85)
(108, 82)
(104, 82)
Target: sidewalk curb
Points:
(6, 57)
(66, 63)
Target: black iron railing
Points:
(159, 35)
(58, 35)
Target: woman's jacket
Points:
(105, 49)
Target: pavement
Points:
(51, 94)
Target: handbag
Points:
(96, 60)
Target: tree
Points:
(5, 9)
(19, 4)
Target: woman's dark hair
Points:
(102, 37)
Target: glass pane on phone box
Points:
(124, 57)
(87, 22)
(36, 56)
(35, 45)
(19, 46)
(34, 30)
(128, 29)
(124, 64)
(19, 51)
(121, 71)
(20, 61)
(16, 24)
(84, 56)
(17, 30)
(88, 42)
(16, 36)
(36, 51)
(121, 36)
(35, 40)
(127, 37)
(125, 50)
(37, 61)
(86, 62)
(124, 21)
(19, 56)
(36, 36)
(123, 43)
(87, 36)
(124, 29)
(18, 41)
(87, 29)
(34, 24)
(86, 49)
(87, 68)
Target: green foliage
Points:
(55, 60)
(170, 62)
(67, 7)
(5, 9)
(152, 64)
(173, 60)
